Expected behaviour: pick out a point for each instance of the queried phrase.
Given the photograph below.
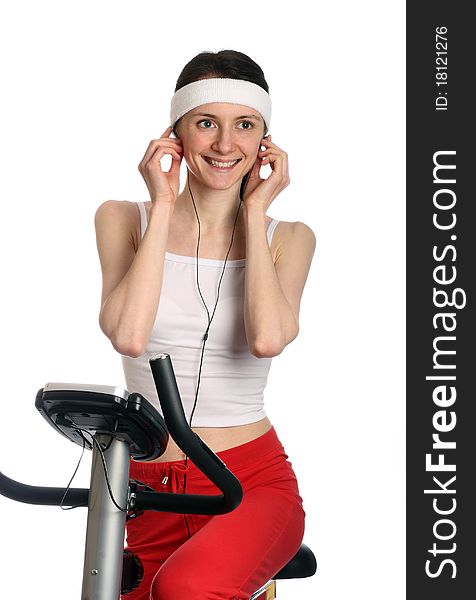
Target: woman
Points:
(220, 322)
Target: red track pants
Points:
(227, 557)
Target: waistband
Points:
(232, 457)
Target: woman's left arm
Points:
(273, 291)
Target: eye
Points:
(200, 123)
(249, 124)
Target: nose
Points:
(224, 140)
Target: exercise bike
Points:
(117, 425)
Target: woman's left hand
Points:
(261, 192)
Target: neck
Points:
(216, 208)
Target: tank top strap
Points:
(143, 218)
(271, 228)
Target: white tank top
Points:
(232, 379)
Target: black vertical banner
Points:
(441, 296)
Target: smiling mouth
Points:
(225, 165)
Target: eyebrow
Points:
(214, 116)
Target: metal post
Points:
(106, 523)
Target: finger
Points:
(154, 144)
(267, 141)
(170, 142)
(256, 169)
(156, 157)
(167, 132)
(163, 150)
(270, 152)
(175, 166)
(163, 140)
(271, 146)
(282, 170)
(278, 164)
(274, 149)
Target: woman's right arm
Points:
(132, 281)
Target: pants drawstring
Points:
(175, 473)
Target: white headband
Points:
(234, 91)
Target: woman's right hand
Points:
(163, 186)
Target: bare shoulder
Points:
(295, 228)
(119, 207)
(293, 237)
(122, 213)
(295, 248)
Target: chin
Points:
(220, 185)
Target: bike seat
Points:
(303, 564)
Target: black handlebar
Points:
(196, 449)
(47, 496)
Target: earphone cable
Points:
(210, 319)
(104, 465)
(205, 336)
(71, 480)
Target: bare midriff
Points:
(218, 438)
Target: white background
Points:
(86, 86)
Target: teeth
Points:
(215, 163)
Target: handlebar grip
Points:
(48, 496)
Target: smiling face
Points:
(220, 142)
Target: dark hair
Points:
(224, 63)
